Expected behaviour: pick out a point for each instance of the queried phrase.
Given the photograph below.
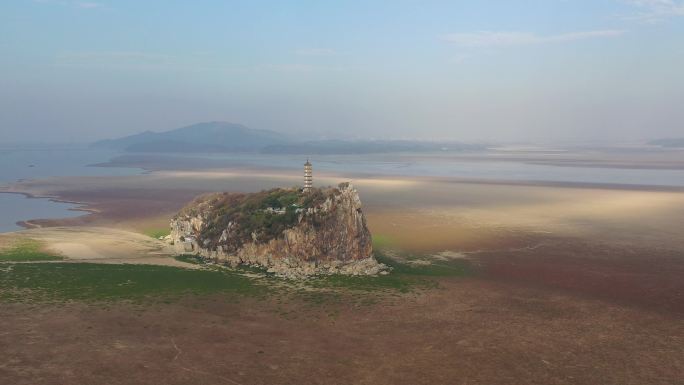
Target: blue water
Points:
(44, 162)
(16, 207)
(25, 163)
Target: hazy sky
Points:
(468, 70)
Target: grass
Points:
(157, 232)
(197, 260)
(26, 250)
(383, 245)
(60, 282)
(452, 268)
(403, 277)
(57, 282)
(382, 241)
(358, 290)
(188, 258)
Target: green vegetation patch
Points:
(156, 233)
(382, 241)
(188, 258)
(390, 282)
(451, 268)
(85, 282)
(241, 269)
(357, 290)
(27, 250)
(266, 214)
(55, 282)
(404, 278)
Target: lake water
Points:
(42, 162)
(36, 163)
(16, 207)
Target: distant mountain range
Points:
(201, 137)
(216, 137)
(672, 142)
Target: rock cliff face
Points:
(284, 230)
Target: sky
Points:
(503, 71)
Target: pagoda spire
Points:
(308, 176)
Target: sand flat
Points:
(99, 245)
(434, 214)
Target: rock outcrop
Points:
(288, 232)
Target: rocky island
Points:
(291, 232)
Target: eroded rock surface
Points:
(286, 231)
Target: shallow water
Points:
(23, 163)
(17, 207)
(42, 162)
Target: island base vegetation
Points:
(138, 324)
(26, 250)
(61, 282)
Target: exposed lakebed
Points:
(25, 163)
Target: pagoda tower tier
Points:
(308, 176)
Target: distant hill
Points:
(368, 147)
(672, 142)
(201, 137)
(229, 137)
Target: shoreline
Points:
(89, 207)
(266, 172)
(360, 177)
(580, 158)
(29, 223)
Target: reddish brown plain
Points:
(574, 285)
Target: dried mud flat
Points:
(466, 332)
